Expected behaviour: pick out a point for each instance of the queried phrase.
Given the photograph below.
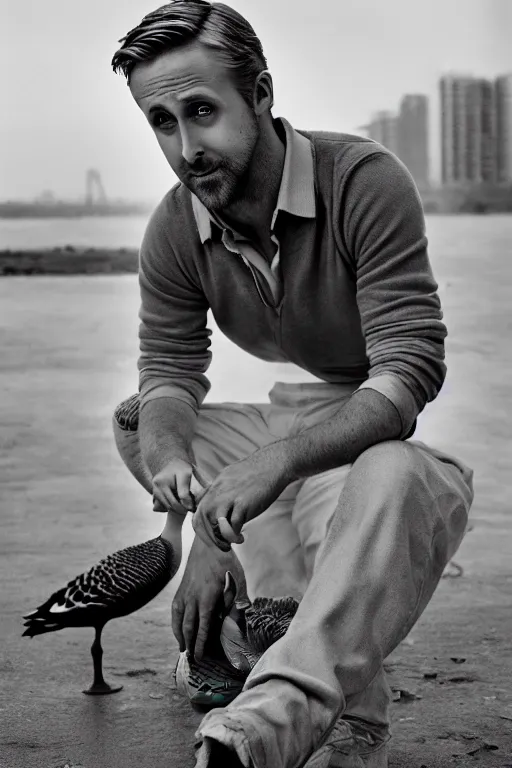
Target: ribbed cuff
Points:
(392, 387)
(156, 390)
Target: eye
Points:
(201, 110)
(161, 119)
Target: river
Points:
(449, 235)
(471, 258)
(86, 231)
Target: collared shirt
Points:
(296, 196)
(358, 303)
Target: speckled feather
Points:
(116, 586)
(267, 621)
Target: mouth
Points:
(203, 174)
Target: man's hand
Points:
(199, 593)
(241, 492)
(178, 487)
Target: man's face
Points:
(205, 129)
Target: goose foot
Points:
(101, 689)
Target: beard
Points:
(218, 190)
(229, 179)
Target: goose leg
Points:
(99, 686)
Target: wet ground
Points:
(68, 350)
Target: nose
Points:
(190, 148)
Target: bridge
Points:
(93, 182)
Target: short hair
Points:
(214, 25)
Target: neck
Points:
(252, 212)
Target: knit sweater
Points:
(359, 303)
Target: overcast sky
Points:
(334, 62)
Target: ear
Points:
(263, 98)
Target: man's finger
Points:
(209, 514)
(158, 506)
(221, 542)
(177, 611)
(205, 613)
(199, 484)
(166, 497)
(190, 620)
(183, 492)
(160, 503)
(198, 491)
(203, 527)
(237, 519)
(227, 532)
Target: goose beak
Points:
(230, 590)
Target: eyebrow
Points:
(157, 108)
(187, 98)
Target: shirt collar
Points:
(296, 192)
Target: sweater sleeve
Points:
(397, 296)
(173, 336)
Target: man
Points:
(310, 250)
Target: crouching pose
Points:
(310, 250)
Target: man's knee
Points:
(125, 424)
(391, 461)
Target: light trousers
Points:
(363, 545)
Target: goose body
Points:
(116, 586)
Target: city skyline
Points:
(406, 133)
(331, 66)
(474, 131)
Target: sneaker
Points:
(207, 683)
(351, 745)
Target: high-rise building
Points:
(468, 130)
(453, 128)
(504, 128)
(405, 134)
(413, 137)
(383, 128)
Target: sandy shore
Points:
(68, 357)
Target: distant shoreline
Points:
(475, 198)
(84, 260)
(69, 261)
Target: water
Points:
(86, 231)
(471, 258)
(449, 235)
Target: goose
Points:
(116, 586)
(130, 578)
